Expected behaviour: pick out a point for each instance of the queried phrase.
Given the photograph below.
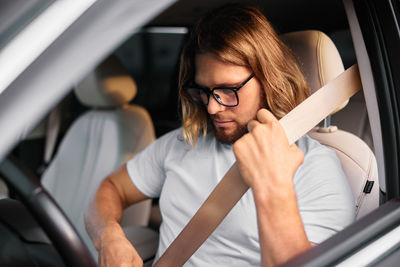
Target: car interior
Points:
(131, 98)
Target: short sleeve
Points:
(146, 169)
(324, 196)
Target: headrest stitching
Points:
(319, 59)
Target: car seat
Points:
(320, 62)
(97, 143)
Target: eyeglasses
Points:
(226, 96)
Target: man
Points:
(236, 80)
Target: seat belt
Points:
(232, 187)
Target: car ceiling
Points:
(285, 15)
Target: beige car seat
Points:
(97, 143)
(320, 62)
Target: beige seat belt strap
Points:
(232, 187)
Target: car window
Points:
(152, 57)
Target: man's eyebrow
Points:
(227, 85)
(200, 86)
(219, 85)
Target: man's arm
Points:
(267, 163)
(103, 216)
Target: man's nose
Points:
(213, 106)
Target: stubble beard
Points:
(229, 139)
(240, 130)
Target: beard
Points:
(241, 129)
(231, 138)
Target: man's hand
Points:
(267, 163)
(116, 250)
(265, 158)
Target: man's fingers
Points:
(265, 116)
(251, 125)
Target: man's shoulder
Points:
(312, 147)
(321, 167)
(173, 143)
(176, 137)
(319, 160)
(172, 136)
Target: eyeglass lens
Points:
(223, 96)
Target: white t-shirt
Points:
(183, 177)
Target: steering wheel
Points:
(47, 213)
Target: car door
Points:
(373, 240)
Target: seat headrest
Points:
(317, 56)
(109, 85)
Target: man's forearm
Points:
(267, 163)
(281, 230)
(104, 213)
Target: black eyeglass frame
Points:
(209, 92)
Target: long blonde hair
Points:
(241, 35)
